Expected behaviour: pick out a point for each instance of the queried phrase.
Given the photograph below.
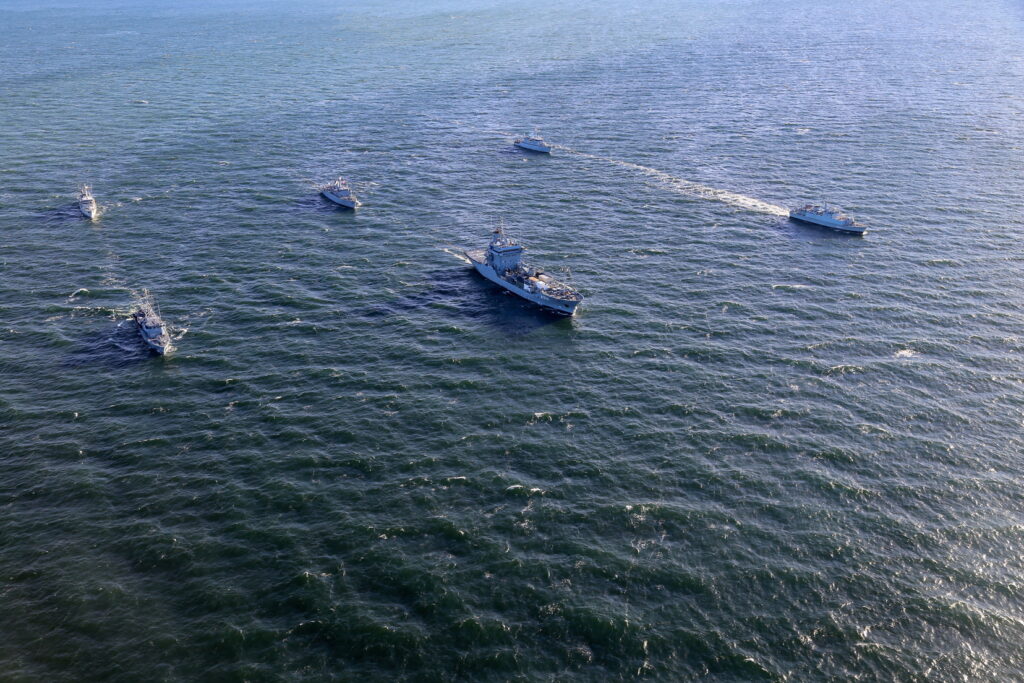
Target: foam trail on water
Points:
(456, 255)
(691, 188)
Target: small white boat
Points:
(534, 143)
(340, 193)
(151, 328)
(86, 202)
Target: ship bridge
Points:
(503, 254)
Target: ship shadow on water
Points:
(525, 153)
(116, 347)
(319, 204)
(66, 213)
(506, 312)
(466, 295)
(810, 232)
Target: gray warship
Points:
(827, 216)
(534, 143)
(86, 202)
(339, 192)
(501, 263)
(151, 328)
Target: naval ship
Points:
(501, 263)
(86, 202)
(827, 216)
(534, 143)
(151, 327)
(340, 193)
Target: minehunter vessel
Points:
(151, 328)
(534, 143)
(86, 202)
(829, 217)
(501, 263)
(340, 193)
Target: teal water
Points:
(760, 452)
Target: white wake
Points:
(456, 255)
(690, 188)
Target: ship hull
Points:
(340, 201)
(826, 222)
(533, 146)
(88, 209)
(156, 348)
(567, 308)
(157, 345)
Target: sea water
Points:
(761, 450)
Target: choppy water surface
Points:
(761, 452)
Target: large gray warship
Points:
(501, 263)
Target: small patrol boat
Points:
(86, 202)
(151, 328)
(340, 193)
(534, 143)
(501, 263)
(827, 216)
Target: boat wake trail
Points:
(456, 255)
(690, 188)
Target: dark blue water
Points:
(760, 452)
